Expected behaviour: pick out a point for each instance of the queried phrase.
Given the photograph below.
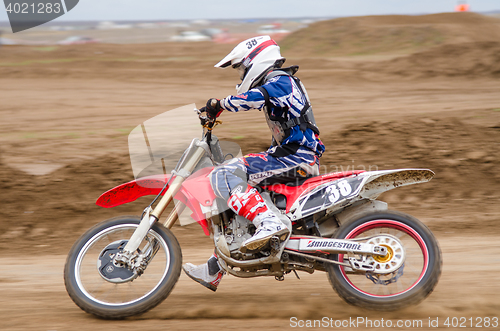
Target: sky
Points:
(238, 9)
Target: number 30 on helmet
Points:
(253, 58)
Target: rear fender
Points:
(195, 192)
(386, 180)
(335, 194)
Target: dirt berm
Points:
(392, 34)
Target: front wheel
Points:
(107, 290)
(405, 276)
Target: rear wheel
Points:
(100, 287)
(405, 276)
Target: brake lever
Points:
(205, 121)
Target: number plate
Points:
(331, 194)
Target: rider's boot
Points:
(208, 274)
(250, 204)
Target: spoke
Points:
(386, 290)
(106, 294)
(107, 236)
(134, 289)
(131, 292)
(415, 250)
(98, 285)
(413, 269)
(399, 234)
(374, 289)
(116, 294)
(406, 282)
(124, 292)
(380, 289)
(399, 286)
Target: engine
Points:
(238, 230)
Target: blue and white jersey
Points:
(287, 101)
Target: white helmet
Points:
(253, 58)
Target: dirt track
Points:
(65, 116)
(260, 303)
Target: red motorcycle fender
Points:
(195, 190)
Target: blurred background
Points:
(393, 84)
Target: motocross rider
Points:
(294, 153)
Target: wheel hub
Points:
(109, 269)
(394, 258)
(387, 257)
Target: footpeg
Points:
(274, 243)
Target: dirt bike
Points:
(374, 258)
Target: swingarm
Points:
(371, 251)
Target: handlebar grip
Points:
(213, 102)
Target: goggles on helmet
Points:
(242, 70)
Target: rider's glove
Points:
(213, 109)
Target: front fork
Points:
(151, 216)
